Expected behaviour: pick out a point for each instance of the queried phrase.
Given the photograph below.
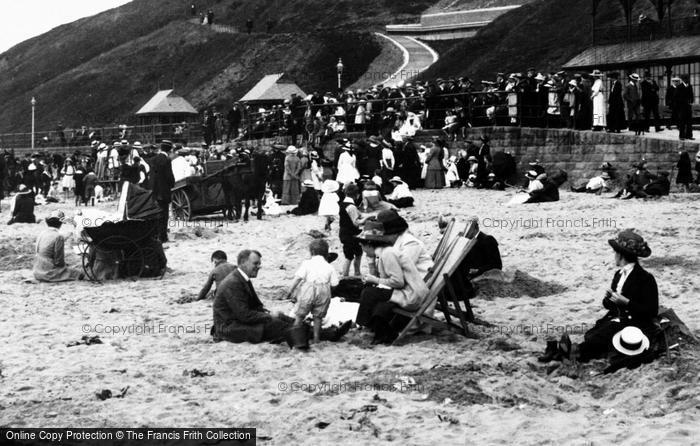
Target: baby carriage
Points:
(126, 247)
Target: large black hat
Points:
(392, 221)
(629, 242)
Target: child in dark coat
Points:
(685, 173)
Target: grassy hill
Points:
(99, 70)
(544, 34)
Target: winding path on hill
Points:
(417, 58)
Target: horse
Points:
(245, 184)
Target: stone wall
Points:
(579, 153)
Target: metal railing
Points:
(472, 109)
(67, 138)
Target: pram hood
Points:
(140, 204)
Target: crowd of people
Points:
(554, 100)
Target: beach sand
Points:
(440, 389)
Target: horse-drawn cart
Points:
(202, 195)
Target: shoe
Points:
(564, 346)
(298, 337)
(551, 352)
(342, 330)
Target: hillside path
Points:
(417, 58)
(216, 27)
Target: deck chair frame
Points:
(442, 281)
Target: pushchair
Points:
(129, 247)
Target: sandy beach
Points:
(439, 389)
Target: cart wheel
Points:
(180, 203)
(88, 256)
(130, 257)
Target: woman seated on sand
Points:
(399, 279)
(22, 206)
(50, 265)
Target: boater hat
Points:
(308, 183)
(629, 242)
(292, 149)
(630, 341)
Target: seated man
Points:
(221, 270)
(636, 182)
(632, 300)
(22, 206)
(239, 315)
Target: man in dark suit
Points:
(162, 183)
(632, 300)
(240, 316)
(683, 103)
(650, 101)
(633, 102)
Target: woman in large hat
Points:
(291, 184)
(397, 283)
(49, 264)
(631, 300)
(599, 103)
(435, 175)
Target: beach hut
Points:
(272, 89)
(165, 108)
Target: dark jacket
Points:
(239, 316)
(308, 203)
(162, 177)
(484, 255)
(683, 97)
(650, 93)
(24, 209)
(640, 288)
(550, 190)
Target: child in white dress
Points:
(315, 277)
(328, 206)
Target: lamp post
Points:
(33, 106)
(339, 67)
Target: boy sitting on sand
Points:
(316, 277)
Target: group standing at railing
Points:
(578, 101)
